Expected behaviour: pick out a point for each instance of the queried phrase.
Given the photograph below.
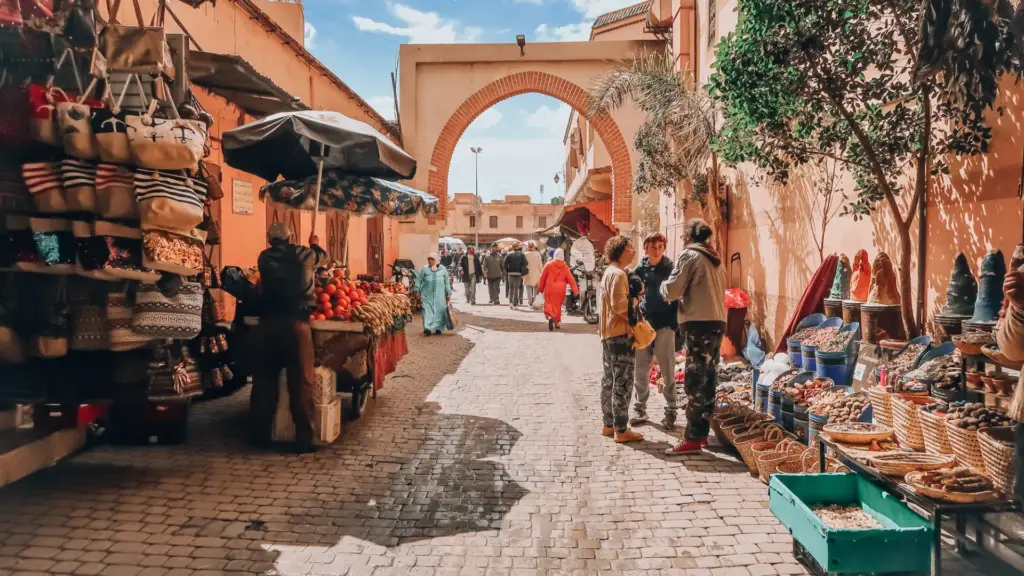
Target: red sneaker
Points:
(688, 447)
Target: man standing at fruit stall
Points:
(435, 290)
(283, 340)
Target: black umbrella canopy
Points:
(288, 144)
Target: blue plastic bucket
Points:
(756, 377)
(761, 398)
(815, 423)
(793, 349)
(837, 366)
(800, 423)
(775, 406)
(808, 361)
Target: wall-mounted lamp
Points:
(521, 42)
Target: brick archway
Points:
(549, 85)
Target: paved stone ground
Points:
(482, 455)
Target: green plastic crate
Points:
(903, 544)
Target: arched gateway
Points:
(445, 87)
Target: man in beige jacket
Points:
(1010, 336)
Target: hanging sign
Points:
(241, 196)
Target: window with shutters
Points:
(542, 222)
(519, 221)
(472, 221)
(493, 222)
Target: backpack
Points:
(282, 276)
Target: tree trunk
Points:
(906, 287)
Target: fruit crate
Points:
(903, 543)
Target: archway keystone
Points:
(541, 83)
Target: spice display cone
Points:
(860, 280)
(883, 288)
(841, 282)
(962, 292)
(990, 288)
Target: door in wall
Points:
(337, 236)
(375, 246)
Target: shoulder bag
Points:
(78, 179)
(137, 49)
(74, 120)
(110, 127)
(115, 190)
(44, 183)
(170, 252)
(122, 254)
(166, 143)
(169, 201)
(173, 373)
(120, 308)
(178, 317)
(89, 319)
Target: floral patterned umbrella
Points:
(359, 194)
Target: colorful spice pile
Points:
(779, 384)
(846, 517)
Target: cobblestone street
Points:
(482, 455)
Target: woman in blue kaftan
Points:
(435, 289)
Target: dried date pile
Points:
(975, 416)
(779, 384)
(837, 342)
(841, 409)
(802, 335)
(820, 336)
(846, 517)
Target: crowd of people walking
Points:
(648, 313)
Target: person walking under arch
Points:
(698, 282)
(472, 273)
(516, 268)
(553, 280)
(616, 344)
(535, 265)
(662, 314)
(435, 290)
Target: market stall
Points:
(335, 163)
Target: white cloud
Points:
(552, 119)
(384, 105)
(595, 8)
(308, 36)
(508, 166)
(568, 33)
(488, 119)
(420, 27)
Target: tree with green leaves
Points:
(556, 201)
(805, 80)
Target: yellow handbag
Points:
(643, 334)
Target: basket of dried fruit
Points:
(857, 432)
(972, 342)
(902, 463)
(959, 485)
(881, 404)
(907, 422)
(997, 449)
(962, 424)
(933, 425)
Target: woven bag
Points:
(120, 334)
(179, 316)
(78, 179)
(966, 447)
(998, 449)
(907, 423)
(936, 439)
(169, 201)
(173, 374)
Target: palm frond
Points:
(609, 91)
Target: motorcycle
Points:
(586, 303)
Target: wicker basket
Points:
(881, 403)
(969, 348)
(729, 433)
(907, 423)
(791, 466)
(768, 462)
(720, 421)
(998, 456)
(772, 437)
(966, 447)
(936, 439)
(744, 443)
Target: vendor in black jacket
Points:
(654, 269)
(516, 267)
(472, 272)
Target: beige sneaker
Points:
(607, 431)
(628, 436)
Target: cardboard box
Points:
(325, 386)
(326, 419)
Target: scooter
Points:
(404, 272)
(586, 303)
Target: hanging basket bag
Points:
(907, 423)
(998, 448)
(936, 439)
(881, 403)
(966, 447)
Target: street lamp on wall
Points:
(521, 42)
(476, 150)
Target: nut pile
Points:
(840, 410)
(836, 343)
(779, 384)
(801, 393)
(961, 480)
(846, 517)
(820, 336)
(802, 335)
(902, 363)
(975, 416)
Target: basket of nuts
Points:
(962, 424)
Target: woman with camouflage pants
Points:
(616, 345)
(698, 282)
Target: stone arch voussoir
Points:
(549, 85)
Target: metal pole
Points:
(476, 150)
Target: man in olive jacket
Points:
(494, 271)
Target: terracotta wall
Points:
(771, 226)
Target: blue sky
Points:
(521, 137)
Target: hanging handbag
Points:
(74, 120)
(120, 308)
(170, 252)
(110, 128)
(44, 183)
(214, 190)
(123, 255)
(12, 347)
(22, 244)
(89, 319)
(169, 201)
(90, 252)
(210, 226)
(80, 24)
(78, 179)
(137, 49)
(51, 337)
(14, 194)
(173, 373)
(166, 143)
(115, 191)
(43, 99)
(178, 317)
(55, 245)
